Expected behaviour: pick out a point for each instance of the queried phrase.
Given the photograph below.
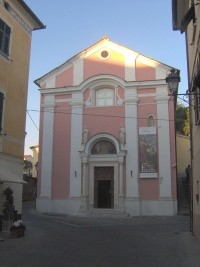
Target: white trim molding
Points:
(164, 144)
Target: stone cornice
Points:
(131, 100)
(17, 18)
(162, 98)
(77, 103)
(49, 106)
(49, 102)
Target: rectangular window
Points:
(104, 97)
(4, 38)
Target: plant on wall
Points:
(182, 120)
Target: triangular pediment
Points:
(115, 54)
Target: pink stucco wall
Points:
(146, 106)
(65, 78)
(104, 120)
(144, 72)
(114, 65)
(149, 188)
(61, 149)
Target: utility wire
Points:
(186, 102)
(32, 119)
(94, 115)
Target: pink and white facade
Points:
(107, 138)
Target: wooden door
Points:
(104, 187)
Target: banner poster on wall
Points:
(148, 162)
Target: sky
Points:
(71, 26)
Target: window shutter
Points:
(190, 15)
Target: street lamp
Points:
(173, 79)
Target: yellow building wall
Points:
(187, 14)
(183, 153)
(14, 82)
(193, 46)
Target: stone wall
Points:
(183, 190)
(29, 189)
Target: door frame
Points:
(91, 180)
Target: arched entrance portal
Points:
(103, 176)
(102, 180)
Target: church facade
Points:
(107, 137)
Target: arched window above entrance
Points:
(103, 147)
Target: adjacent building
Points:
(183, 154)
(35, 150)
(107, 137)
(17, 21)
(183, 173)
(186, 19)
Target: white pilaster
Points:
(163, 143)
(121, 177)
(47, 145)
(78, 72)
(130, 67)
(131, 142)
(76, 140)
(121, 181)
(85, 184)
(85, 177)
(50, 83)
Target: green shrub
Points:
(8, 207)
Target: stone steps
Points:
(106, 213)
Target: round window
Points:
(104, 54)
